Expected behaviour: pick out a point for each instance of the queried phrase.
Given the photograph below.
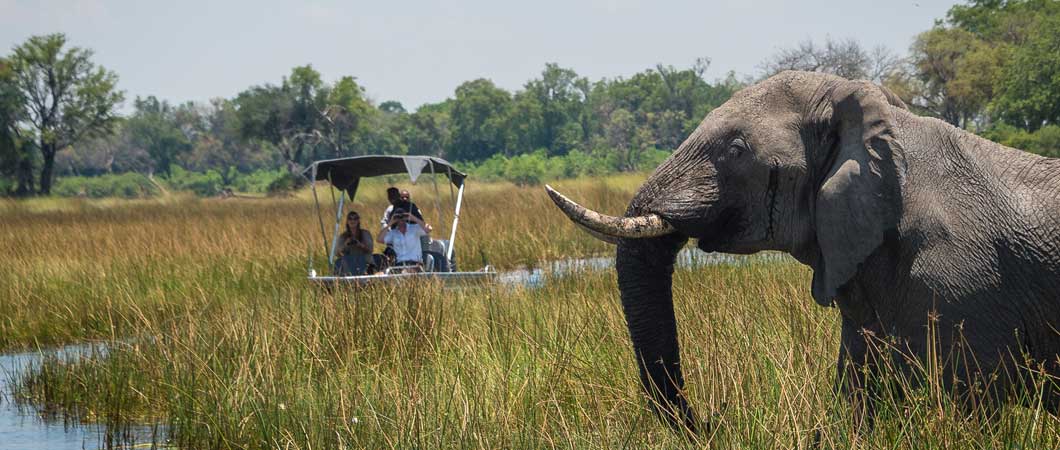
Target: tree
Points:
(346, 114)
(479, 121)
(955, 71)
(1029, 82)
(392, 107)
(10, 132)
(113, 153)
(560, 96)
(1002, 21)
(619, 133)
(845, 58)
(991, 59)
(154, 128)
(220, 147)
(289, 117)
(668, 128)
(68, 98)
(666, 103)
(426, 131)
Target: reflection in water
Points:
(688, 258)
(22, 427)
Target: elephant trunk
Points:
(645, 275)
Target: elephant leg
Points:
(856, 376)
(854, 382)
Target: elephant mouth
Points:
(713, 232)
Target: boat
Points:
(344, 176)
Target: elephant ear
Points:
(859, 197)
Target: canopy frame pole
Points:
(316, 207)
(338, 224)
(449, 173)
(456, 220)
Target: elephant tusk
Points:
(603, 237)
(647, 226)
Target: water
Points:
(22, 428)
(688, 258)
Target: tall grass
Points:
(488, 367)
(233, 350)
(75, 269)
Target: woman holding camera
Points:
(356, 248)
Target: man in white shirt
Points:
(404, 236)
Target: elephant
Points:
(903, 220)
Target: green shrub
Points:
(579, 163)
(125, 185)
(651, 158)
(7, 185)
(534, 168)
(284, 183)
(526, 169)
(491, 169)
(1049, 141)
(257, 181)
(204, 184)
(1045, 141)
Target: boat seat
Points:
(435, 262)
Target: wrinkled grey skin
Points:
(900, 217)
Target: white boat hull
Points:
(374, 280)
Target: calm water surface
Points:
(22, 427)
(688, 258)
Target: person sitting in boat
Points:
(404, 236)
(405, 202)
(398, 199)
(393, 194)
(356, 248)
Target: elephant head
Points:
(804, 163)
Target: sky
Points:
(418, 52)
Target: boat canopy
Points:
(346, 173)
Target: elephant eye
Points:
(737, 147)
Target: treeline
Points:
(559, 124)
(992, 67)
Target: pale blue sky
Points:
(419, 51)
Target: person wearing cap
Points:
(405, 231)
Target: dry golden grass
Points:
(65, 257)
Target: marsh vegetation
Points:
(214, 335)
